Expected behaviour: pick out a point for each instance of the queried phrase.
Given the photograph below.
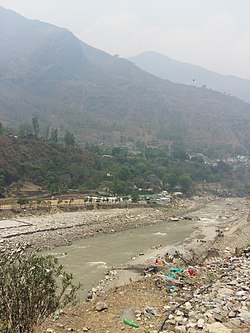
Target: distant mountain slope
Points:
(179, 72)
(47, 72)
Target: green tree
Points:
(25, 131)
(22, 201)
(69, 139)
(124, 173)
(47, 134)
(179, 152)
(1, 129)
(54, 135)
(185, 182)
(36, 127)
(32, 287)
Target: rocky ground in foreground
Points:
(213, 297)
(216, 300)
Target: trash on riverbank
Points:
(130, 323)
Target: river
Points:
(88, 259)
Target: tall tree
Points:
(54, 135)
(69, 139)
(47, 134)
(1, 129)
(36, 128)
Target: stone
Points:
(232, 314)
(180, 329)
(241, 293)
(200, 323)
(188, 305)
(151, 311)
(218, 316)
(244, 316)
(217, 328)
(178, 319)
(192, 330)
(235, 321)
(100, 306)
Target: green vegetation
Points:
(57, 164)
(31, 288)
(58, 168)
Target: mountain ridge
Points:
(106, 99)
(185, 73)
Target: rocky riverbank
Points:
(213, 298)
(49, 230)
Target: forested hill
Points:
(46, 72)
(58, 167)
(53, 166)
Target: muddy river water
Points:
(88, 259)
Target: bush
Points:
(22, 201)
(32, 287)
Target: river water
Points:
(88, 259)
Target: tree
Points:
(36, 128)
(47, 134)
(22, 201)
(1, 129)
(69, 139)
(185, 182)
(25, 131)
(179, 152)
(32, 287)
(54, 135)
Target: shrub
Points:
(32, 287)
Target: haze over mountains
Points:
(46, 71)
(180, 72)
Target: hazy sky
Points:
(212, 33)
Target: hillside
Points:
(45, 71)
(52, 166)
(185, 73)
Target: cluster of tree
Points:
(115, 170)
(33, 132)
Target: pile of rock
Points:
(221, 307)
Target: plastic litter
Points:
(130, 323)
(192, 272)
(172, 275)
(170, 288)
(176, 269)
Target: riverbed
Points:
(88, 259)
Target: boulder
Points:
(217, 328)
